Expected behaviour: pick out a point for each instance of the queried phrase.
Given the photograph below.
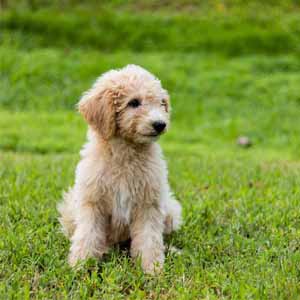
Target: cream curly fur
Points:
(121, 189)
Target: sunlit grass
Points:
(240, 238)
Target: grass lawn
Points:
(241, 232)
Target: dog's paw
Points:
(152, 268)
(153, 264)
(80, 252)
(76, 256)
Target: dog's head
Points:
(129, 103)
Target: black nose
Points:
(159, 126)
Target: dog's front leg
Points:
(89, 238)
(147, 238)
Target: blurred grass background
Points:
(232, 69)
(227, 27)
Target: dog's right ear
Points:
(97, 108)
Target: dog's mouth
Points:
(153, 134)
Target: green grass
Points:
(110, 31)
(240, 238)
(241, 232)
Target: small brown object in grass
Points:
(244, 142)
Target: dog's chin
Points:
(147, 138)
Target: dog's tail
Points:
(66, 210)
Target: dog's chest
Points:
(132, 187)
(123, 202)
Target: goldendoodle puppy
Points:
(121, 188)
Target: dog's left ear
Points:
(98, 109)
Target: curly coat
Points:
(121, 188)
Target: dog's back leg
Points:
(66, 210)
(173, 218)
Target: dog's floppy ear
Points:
(97, 108)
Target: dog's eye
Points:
(134, 103)
(163, 102)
